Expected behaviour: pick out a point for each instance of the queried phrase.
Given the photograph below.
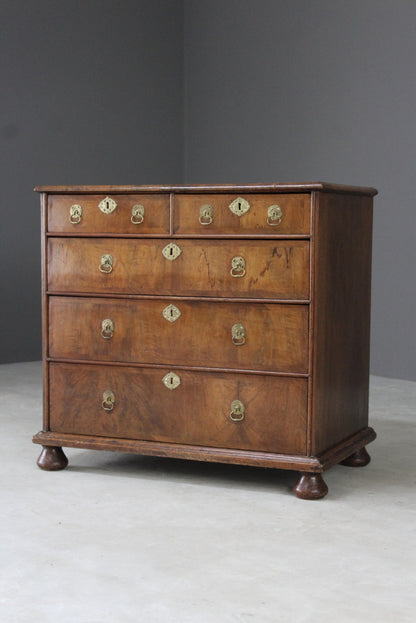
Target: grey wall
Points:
(91, 92)
(165, 91)
(290, 90)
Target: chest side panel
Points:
(341, 302)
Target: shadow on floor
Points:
(393, 465)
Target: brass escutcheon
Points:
(137, 214)
(107, 328)
(171, 251)
(171, 313)
(238, 334)
(238, 267)
(75, 214)
(108, 400)
(107, 205)
(237, 411)
(106, 264)
(171, 380)
(274, 215)
(206, 214)
(239, 206)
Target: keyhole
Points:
(171, 313)
(171, 251)
(108, 205)
(171, 380)
(239, 206)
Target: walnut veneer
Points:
(176, 325)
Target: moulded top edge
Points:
(208, 188)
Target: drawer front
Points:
(272, 269)
(196, 412)
(250, 336)
(267, 214)
(133, 214)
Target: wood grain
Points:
(341, 303)
(205, 188)
(180, 451)
(196, 412)
(304, 301)
(45, 309)
(295, 215)
(276, 335)
(204, 453)
(274, 269)
(156, 216)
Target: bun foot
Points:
(357, 459)
(52, 458)
(310, 486)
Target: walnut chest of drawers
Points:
(216, 323)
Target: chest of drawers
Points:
(215, 323)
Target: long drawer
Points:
(252, 336)
(253, 412)
(251, 214)
(132, 214)
(233, 268)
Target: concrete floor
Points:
(123, 538)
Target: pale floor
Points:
(123, 538)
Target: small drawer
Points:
(241, 411)
(218, 268)
(251, 214)
(245, 336)
(115, 214)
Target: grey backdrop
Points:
(91, 92)
(211, 91)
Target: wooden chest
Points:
(216, 323)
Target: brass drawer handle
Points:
(238, 267)
(75, 214)
(238, 334)
(237, 411)
(106, 264)
(206, 214)
(137, 214)
(107, 328)
(274, 215)
(108, 400)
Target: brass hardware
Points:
(108, 400)
(75, 214)
(237, 411)
(137, 214)
(274, 215)
(171, 380)
(238, 334)
(171, 313)
(238, 267)
(107, 328)
(206, 214)
(239, 206)
(171, 251)
(107, 205)
(106, 264)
